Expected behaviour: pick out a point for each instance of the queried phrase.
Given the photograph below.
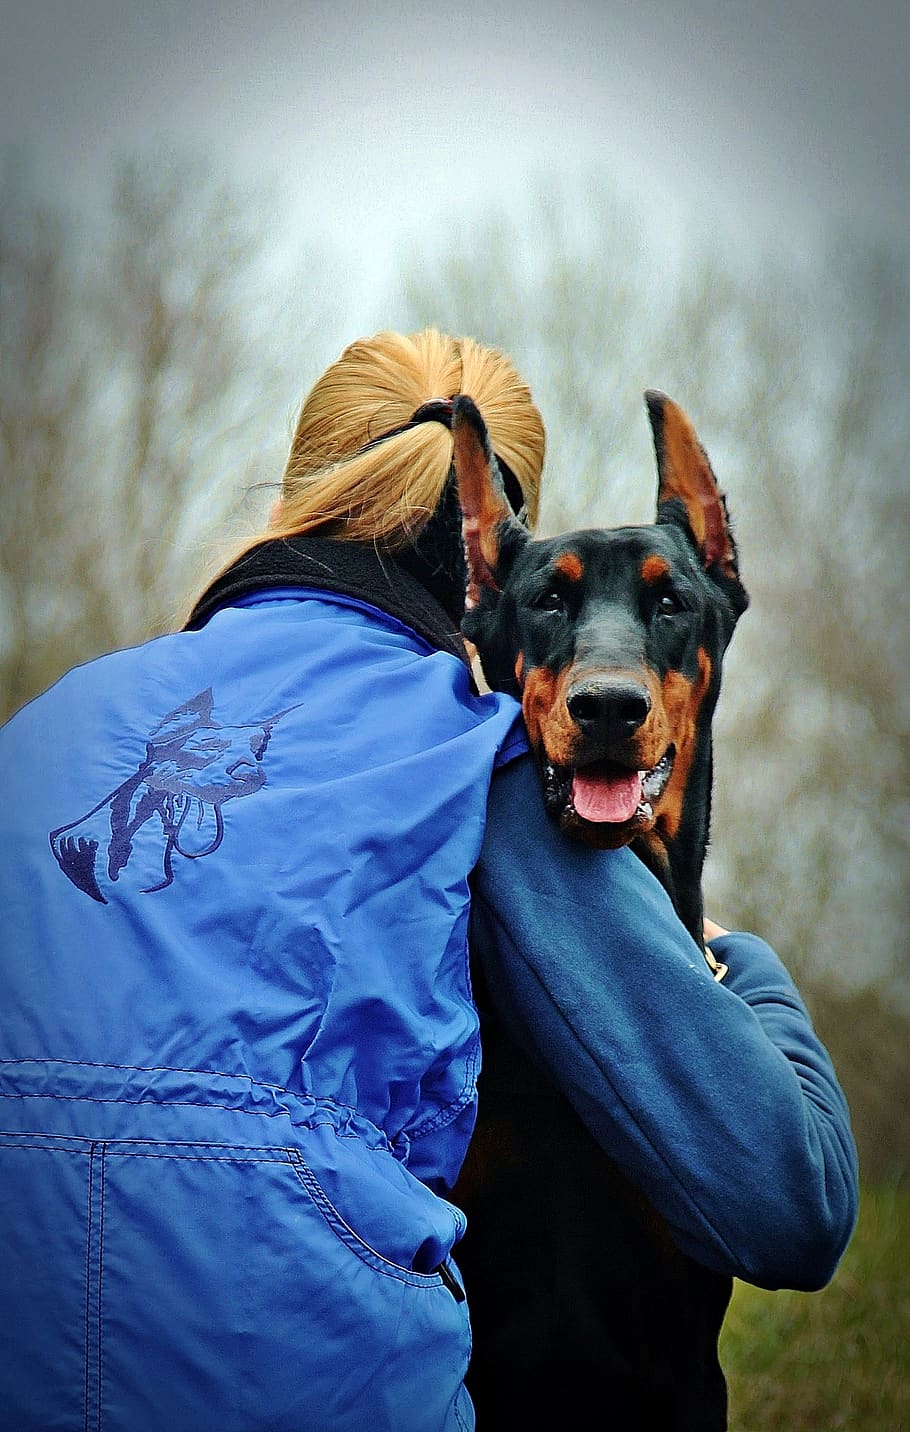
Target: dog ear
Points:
(684, 476)
(489, 527)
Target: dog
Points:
(612, 639)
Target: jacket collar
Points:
(355, 569)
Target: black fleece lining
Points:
(355, 569)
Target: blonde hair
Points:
(336, 482)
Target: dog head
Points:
(612, 639)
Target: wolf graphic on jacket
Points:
(191, 767)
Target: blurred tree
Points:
(143, 394)
(45, 386)
(796, 378)
(185, 395)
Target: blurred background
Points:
(202, 202)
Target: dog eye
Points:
(549, 602)
(667, 605)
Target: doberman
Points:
(582, 1307)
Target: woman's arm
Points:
(717, 1100)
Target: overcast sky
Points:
(773, 117)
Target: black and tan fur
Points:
(585, 1313)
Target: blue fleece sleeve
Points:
(717, 1100)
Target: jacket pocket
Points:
(208, 1287)
(259, 1306)
(373, 1204)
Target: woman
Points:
(240, 1048)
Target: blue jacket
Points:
(239, 1048)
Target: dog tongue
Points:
(606, 793)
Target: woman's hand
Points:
(712, 930)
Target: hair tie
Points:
(435, 410)
(439, 410)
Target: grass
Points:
(817, 1362)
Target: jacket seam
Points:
(154, 1069)
(9, 1140)
(280, 1156)
(442, 1116)
(88, 1271)
(101, 1288)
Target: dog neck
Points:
(677, 856)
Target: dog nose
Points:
(612, 710)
